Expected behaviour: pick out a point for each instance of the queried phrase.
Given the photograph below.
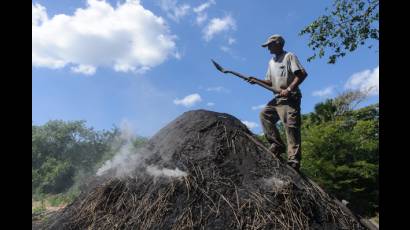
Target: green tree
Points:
(350, 24)
(342, 156)
(323, 112)
(65, 154)
(328, 110)
(61, 149)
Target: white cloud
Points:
(178, 55)
(84, 69)
(189, 100)
(324, 92)
(126, 38)
(218, 89)
(231, 41)
(200, 11)
(250, 124)
(225, 49)
(210, 104)
(204, 6)
(231, 52)
(365, 81)
(173, 10)
(258, 107)
(201, 18)
(218, 25)
(38, 14)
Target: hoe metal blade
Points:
(219, 67)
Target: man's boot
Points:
(294, 164)
(277, 150)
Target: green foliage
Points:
(324, 112)
(59, 149)
(57, 200)
(342, 105)
(64, 154)
(340, 150)
(341, 153)
(262, 139)
(42, 202)
(56, 175)
(349, 25)
(38, 209)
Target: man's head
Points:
(275, 44)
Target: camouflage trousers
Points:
(288, 111)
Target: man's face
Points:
(274, 47)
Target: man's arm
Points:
(299, 78)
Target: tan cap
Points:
(274, 38)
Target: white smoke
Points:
(123, 163)
(126, 160)
(127, 131)
(165, 172)
(275, 183)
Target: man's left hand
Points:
(251, 80)
(284, 93)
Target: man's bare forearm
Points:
(299, 78)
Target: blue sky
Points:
(144, 63)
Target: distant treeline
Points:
(64, 153)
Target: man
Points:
(284, 75)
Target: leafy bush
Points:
(342, 155)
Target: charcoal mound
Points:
(226, 179)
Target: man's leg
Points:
(292, 122)
(269, 117)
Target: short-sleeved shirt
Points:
(281, 71)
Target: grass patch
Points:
(40, 203)
(38, 207)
